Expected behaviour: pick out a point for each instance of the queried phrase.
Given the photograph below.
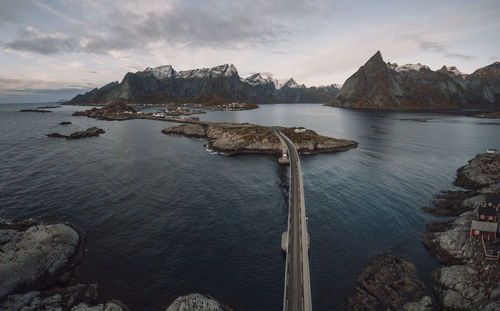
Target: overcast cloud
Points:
(88, 43)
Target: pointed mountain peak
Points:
(376, 58)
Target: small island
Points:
(90, 132)
(49, 107)
(235, 138)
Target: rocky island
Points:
(90, 132)
(234, 138)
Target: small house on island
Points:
(493, 250)
(487, 214)
(486, 230)
(493, 202)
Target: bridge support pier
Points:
(284, 241)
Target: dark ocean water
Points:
(164, 217)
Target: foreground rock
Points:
(234, 138)
(469, 287)
(37, 256)
(454, 203)
(196, 302)
(389, 283)
(449, 241)
(90, 132)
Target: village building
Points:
(485, 230)
(487, 214)
(492, 252)
(493, 202)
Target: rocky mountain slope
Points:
(380, 85)
(163, 84)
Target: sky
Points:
(51, 50)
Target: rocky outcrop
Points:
(480, 172)
(234, 138)
(389, 283)
(196, 302)
(453, 203)
(64, 123)
(380, 85)
(163, 84)
(469, 282)
(468, 287)
(187, 130)
(90, 132)
(36, 260)
(54, 299)
(37, 256)
(449, 241)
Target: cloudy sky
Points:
(52, 50)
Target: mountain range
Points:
(380, 85)
(163, 84)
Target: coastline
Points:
(466, 280)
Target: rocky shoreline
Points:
(237, 138)
(467, 281)
(37, 264)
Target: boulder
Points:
(36, 256)
(195, 302)
(450, 241)
(389, 283)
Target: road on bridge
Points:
(297, 294)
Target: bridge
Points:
(295, 241)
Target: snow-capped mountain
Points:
(165, 84)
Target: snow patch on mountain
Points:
(161, 72)
(226, 70)
(407, 67)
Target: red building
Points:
(493, 202)
(487, 214)
(486, 230)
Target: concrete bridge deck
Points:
(297, 292)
